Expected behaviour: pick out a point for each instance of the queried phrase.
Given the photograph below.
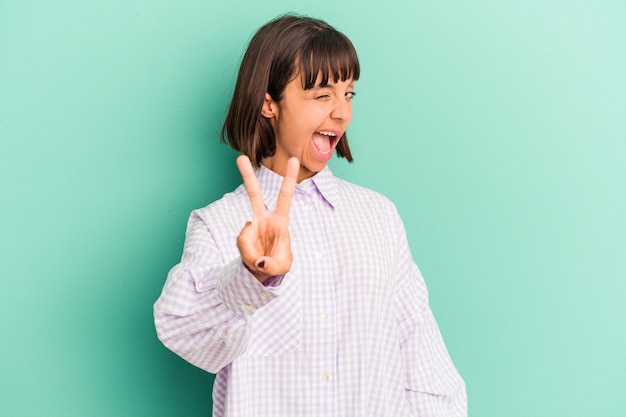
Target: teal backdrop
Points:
(497, 127)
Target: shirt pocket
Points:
(276, 328)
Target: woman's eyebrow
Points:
(319, 87)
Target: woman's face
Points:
(308, 124)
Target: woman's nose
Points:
(342, 110)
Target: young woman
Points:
(298, 289)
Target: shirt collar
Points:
(323, 182)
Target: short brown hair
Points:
(268, 65)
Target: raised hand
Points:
(264, 243)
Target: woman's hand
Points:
(264, 242)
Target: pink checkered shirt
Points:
(348, 332)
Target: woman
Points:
(298, 289)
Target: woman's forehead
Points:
(324, 67)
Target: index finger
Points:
(251, 184)
(288, 188)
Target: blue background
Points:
(498, 129)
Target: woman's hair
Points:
(284, 48)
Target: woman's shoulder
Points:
(356, 197)
(355, 193)
(230, 206)
(371, 206)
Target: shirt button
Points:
(324, 316)
(249, 307)
(319, 256)
(265, 294)
(308, 208)
(325, 377)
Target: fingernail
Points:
(261, 264)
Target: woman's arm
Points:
(205, 307)
(204, 311)
(434, 387)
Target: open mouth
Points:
(324, 141)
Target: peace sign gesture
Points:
(264, 243)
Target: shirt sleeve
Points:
(203, 313)
(433, 387)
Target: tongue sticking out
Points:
(322, 142)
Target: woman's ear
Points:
(268, 109)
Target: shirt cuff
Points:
(241, 292)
